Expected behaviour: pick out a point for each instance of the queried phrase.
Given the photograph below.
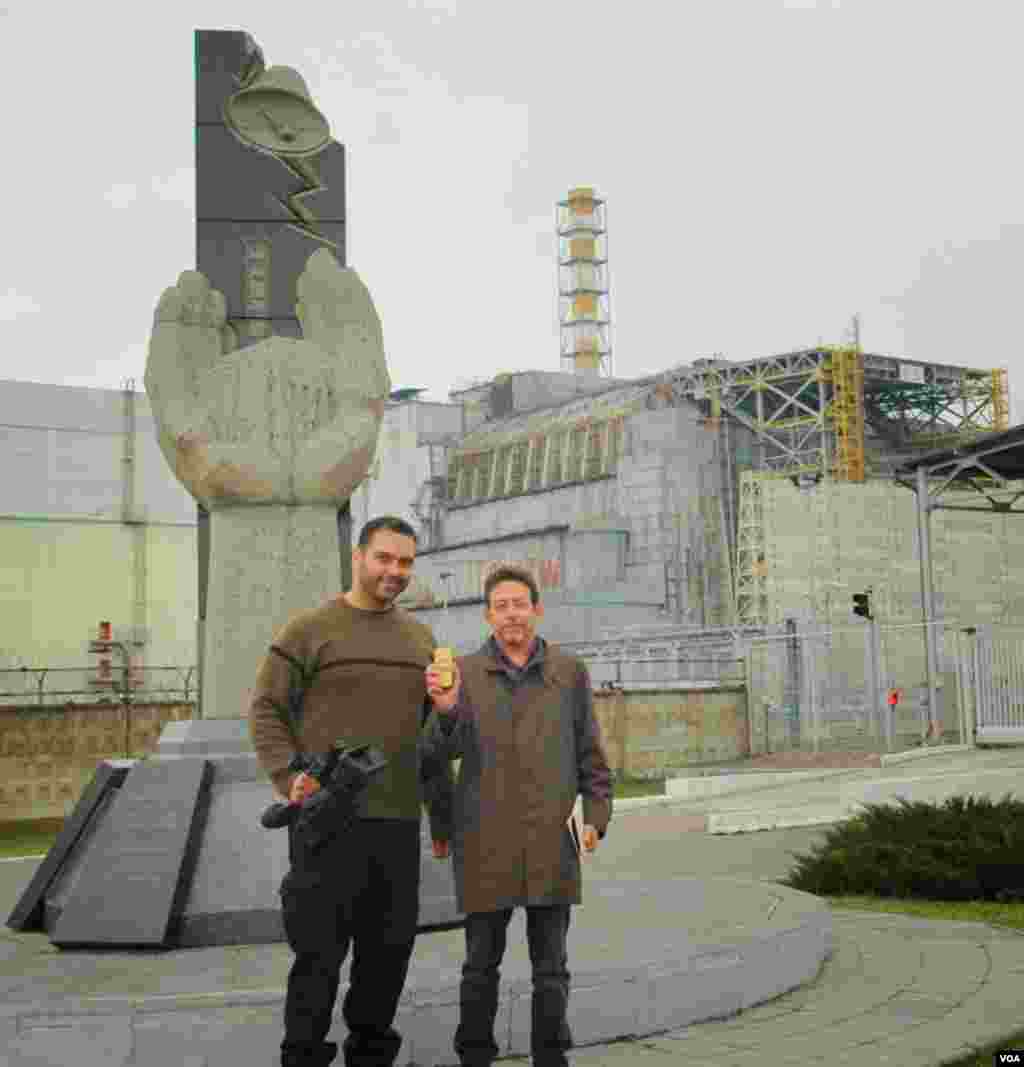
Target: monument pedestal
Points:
(266, 564)
(221, 885)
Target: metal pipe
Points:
(871, 634)
(886, 711)
(927, 596)
(961, 688)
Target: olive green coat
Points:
(529, 744)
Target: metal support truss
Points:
(994, 470)
(817, 410)
(751, 597)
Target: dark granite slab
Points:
(131, 889)
(28, 912)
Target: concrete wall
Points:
(828, 543)
(650, 734)
(824, 545)
(64, 453)
(608, 540)
(73, 475)
(61, 577)
(47, 757)
(395, 485)
(672, 490)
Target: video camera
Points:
(343, 773)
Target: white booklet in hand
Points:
(575, 824)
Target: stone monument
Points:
(270, 439)
(267, 379)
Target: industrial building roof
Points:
(595, 406)
(1001, 453)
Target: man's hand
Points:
(441, 849)
(443, 699)
(303, 787)
(589, 841)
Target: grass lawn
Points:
(985, 911)
(28, 838)
(639, 787)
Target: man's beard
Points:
(387, 589)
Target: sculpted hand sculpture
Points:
(280, 422)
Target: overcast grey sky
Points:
(770, 168)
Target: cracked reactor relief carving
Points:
(283, 421)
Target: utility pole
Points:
(927, 601)
(883, 711)
(863, 606)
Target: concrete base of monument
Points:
(232, 898)
(647, 956)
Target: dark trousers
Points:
(546, 930)
(364, 891)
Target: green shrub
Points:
(967, 848)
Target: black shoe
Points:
(306, 1055)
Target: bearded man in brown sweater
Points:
(352, 670)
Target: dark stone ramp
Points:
(28, 912)
(134, 876)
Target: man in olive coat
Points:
(520, 717)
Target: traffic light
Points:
(862, 604)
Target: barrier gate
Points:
(990, 675)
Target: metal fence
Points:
(49, 686)
(991, 678)
(858, 688)
(809, 687)
(677, 658)
(862, 687)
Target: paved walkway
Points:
(895, 990)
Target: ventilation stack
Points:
(583, 307)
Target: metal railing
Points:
(669, 659)
(856, 687)
(50, 686)
(652, 672)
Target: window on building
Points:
(544, 461)
(535, 472)
(454, 466)
(595, 450)
(481, 475)
(576, 443)
(516, 483)
(614, 445)
(553, 475)
(465, 485)
(500, 471)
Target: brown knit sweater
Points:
(338, 673)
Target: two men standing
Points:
(520, 718)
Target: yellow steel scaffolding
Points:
(846, 369)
